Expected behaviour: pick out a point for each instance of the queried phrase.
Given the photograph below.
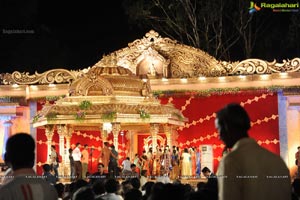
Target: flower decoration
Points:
(109, 116)
(35, 118)
(51, 116)
(80, 115)
(144, 114)
(85, 105)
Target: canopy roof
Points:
(109, 94)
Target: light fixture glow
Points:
(222, 78)
(183, 80)
(51, 85)
(107, 127)
(264, 77)
(283, 74)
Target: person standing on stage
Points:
(193, 160)
(77, 161)
(150, 161)
(137, 162)
(126, 170)
(53, 161)
(166, 161)
(72, 165)
(175, 165)
(85, 160)
(186, 167)
(105, 156)
(113, 163)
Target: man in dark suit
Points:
(207, 173)
(100, 175)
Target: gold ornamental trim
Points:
(257, 66)
(156, 57)
(48, 77)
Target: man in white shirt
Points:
(248, 171)
(20, 153)
(126, 167)
(77, 161)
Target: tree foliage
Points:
(224, 29)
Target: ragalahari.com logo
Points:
(276, 7)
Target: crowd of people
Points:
(246, 172)
(162, 162)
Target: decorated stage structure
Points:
(153, 92)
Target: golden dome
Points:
(99, 81)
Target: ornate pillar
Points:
(62, 130)
(49, 132)
(130, 145)
(7, 132)
(116, 127)
(104, 133)
(168, 131)
(154, 129)
(68, 136)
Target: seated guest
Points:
(98, 188)
(248, 171)
(60, 189)
(20, 153)
(50, 178)
(134, 173)
(112, 186)
(207, 173)
(99, 175)
(143, 178)
(84, 193)
(133, 194)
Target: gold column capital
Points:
(116, 127)
(49, 131)
(62, 129)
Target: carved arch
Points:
(86, 87)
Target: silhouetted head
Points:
(111, 185)
(46, 168)
(206, 171)
(20, 151)
(84, 193)
(233, 123)
(133, 194)
(78, 145)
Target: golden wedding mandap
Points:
(154, 92)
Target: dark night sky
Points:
(67, 34)
(72, 34)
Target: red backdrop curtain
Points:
(200, 111)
